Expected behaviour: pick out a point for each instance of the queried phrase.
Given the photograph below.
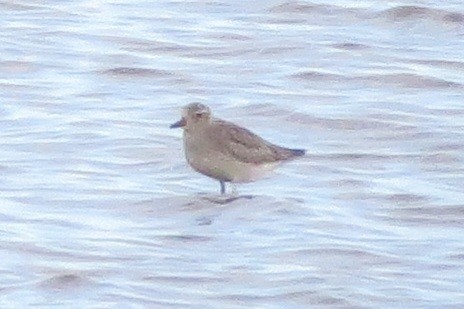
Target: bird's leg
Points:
(223, 187)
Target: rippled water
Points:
(98, 207)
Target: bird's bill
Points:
(179, 124)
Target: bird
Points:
(225, 151)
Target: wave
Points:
(403, 80)
(411, 13)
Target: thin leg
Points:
(223, 187)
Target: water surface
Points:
(99, 209)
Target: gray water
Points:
(98, 207)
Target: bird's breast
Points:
(216, 164)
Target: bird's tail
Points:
(288, 153)
(298, 152)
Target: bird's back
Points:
(245, 146)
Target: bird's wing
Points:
(243, 144)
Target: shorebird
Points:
(225, 151)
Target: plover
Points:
(225, 151)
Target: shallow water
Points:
(98, 207)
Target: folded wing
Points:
(246, 146)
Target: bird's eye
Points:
(199, 114)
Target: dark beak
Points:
(181, 123)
